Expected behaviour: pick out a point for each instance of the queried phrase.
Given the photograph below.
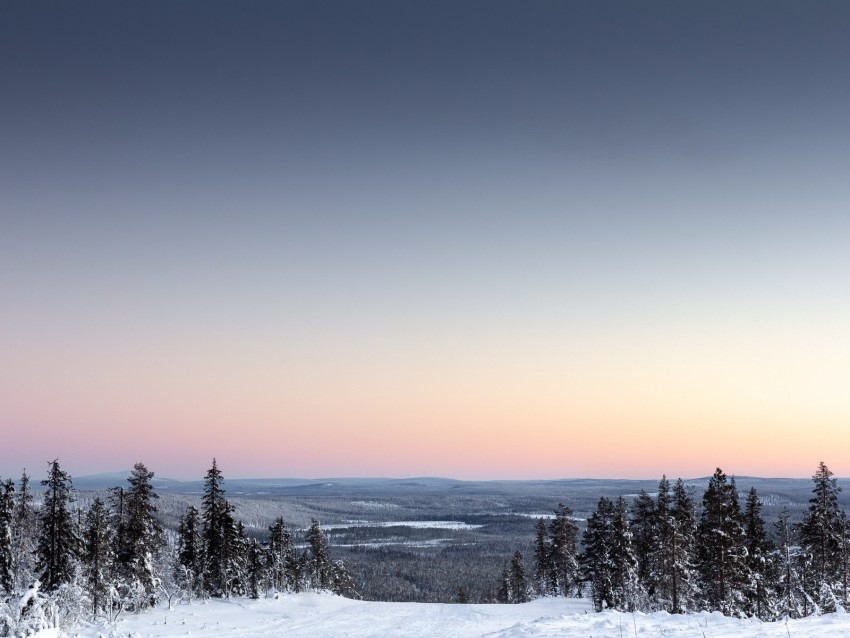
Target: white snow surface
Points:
(327, 616)
(411, 524)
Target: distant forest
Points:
(665, 551)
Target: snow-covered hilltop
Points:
(654, 561)
(313, 615)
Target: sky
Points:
(475, 239)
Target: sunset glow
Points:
(315, 243)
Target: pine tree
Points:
(237, 557)
(627, 592)
(319, 561)
(224, 539)
(189, 566)
(595, 560)
(608, 562)
(256, 574)
(563, 533)
(24, 535)
(820, 537)
(645, 535)
(661, 558)
(542, 559)
(739, 576)
(58, 543)
(721, 547)
(845, 559)
(683, 585)
(808, 579)
(653, 531)
(216, 517)
(143, 537)
(7, 554)
(793, 601)
(117, 502)
(343, 581)
(519, 580)
(761, 569)
(99, 556)
(282, 563)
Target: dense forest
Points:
(63, 563)
(673, 554)
(59, 566)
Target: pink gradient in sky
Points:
(625, 408)
(474, 240)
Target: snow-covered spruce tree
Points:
(820, 538)
(542, 560)
(58, 543)
(99, 558)
(28, 615)
(343, 581)
(143, 537)
(808, 579)
(844, 559)
(653, 531)
(763, 583)
(189, 566)
(520, 589)
(215, 515)
(608, 562)
(223, 564)
(660, 558)
(238, 558)
(255, 570)
(563, 532)
(23, 537)
(318, 560)
(645, 534)
(7, 555)
(628, 593)
(792, 602)
(281, 560)
(683, 586)
(118, 507)
(722, 552)
(595, 559)
(235, 543)
(317, 571)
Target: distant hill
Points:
(790, 490)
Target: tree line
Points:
(61, 566)
(666, 553)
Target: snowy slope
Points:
(326, 616)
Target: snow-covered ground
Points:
(411, 524)
(327, 616)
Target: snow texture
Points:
(327, 616)
(454, 525)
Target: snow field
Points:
(328, 616)
(410, 524)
